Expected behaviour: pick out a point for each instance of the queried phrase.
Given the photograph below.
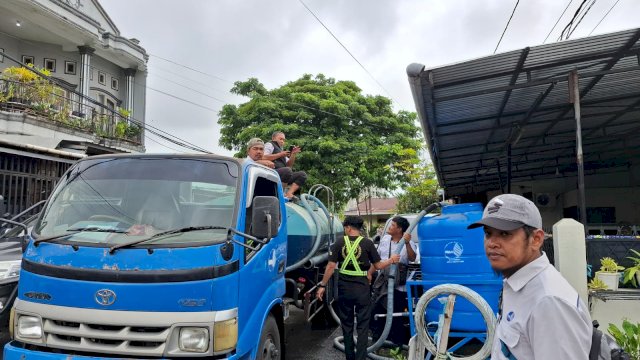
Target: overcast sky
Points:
(279, 40)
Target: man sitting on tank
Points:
(283, 160)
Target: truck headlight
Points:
(194, 339)
(10, 269)
(225, 335)
(29, 327)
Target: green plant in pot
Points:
(597, 284)
(632, 274)
(609, 273)
(628, 337)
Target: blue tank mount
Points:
(452, 254)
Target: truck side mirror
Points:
(265, 218)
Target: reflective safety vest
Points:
(351, 258)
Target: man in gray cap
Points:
(541, 315)
(255, 150)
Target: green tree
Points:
(421, 191)
(349, 141)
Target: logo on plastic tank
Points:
(510, 315)
(105, 297)
(453, 251)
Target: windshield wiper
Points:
(165, 233)
(74, 231)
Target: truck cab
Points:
(155, 256)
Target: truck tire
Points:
(269, 347)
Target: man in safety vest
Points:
(355, 254)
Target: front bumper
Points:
(16, 351)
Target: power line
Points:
(505, 28)
(557, 21)
(347, 50)
(192, 69)
(580, 12)
(163, 145)
(192, 89)
(605, 15)
(581, 18)
(181, 76)
(185, 100)
(289, 102)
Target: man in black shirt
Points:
(355, 255)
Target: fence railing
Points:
(52, 103)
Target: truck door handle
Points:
(280, 266)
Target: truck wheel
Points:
(269, 348)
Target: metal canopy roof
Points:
(471, 111)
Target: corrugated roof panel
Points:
(472, 141)
(453, 90)
(474, 68)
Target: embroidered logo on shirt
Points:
(511, 315)
(494, 206)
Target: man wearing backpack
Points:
(542, 316)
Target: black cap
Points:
(353, 221)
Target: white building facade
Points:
(93, 102)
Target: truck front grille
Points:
(114, 339)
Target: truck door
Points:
(262, 275)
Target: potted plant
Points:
(609, 273)
(632, 274)
(596, 284)
(628, 337)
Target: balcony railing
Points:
(52, 103)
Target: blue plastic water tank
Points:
(451, 254)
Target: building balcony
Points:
(51, 105)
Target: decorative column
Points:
(85, 75)
(130, 78)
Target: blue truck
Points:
(164, 256)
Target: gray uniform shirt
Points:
(542, 316)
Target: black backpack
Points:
(604, 347)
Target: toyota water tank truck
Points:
(165, 256)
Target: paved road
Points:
(307, 341)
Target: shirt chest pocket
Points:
(509, 338)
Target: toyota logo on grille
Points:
(105, 297)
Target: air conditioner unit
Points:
(545, 200)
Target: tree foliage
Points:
(422, 190)
(349, 141)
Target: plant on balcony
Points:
(28, 87)
(133, 131)
(124, 112)
(121, 129)
(609, 272)
(127, 131)
(632, 274)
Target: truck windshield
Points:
(135, 198)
